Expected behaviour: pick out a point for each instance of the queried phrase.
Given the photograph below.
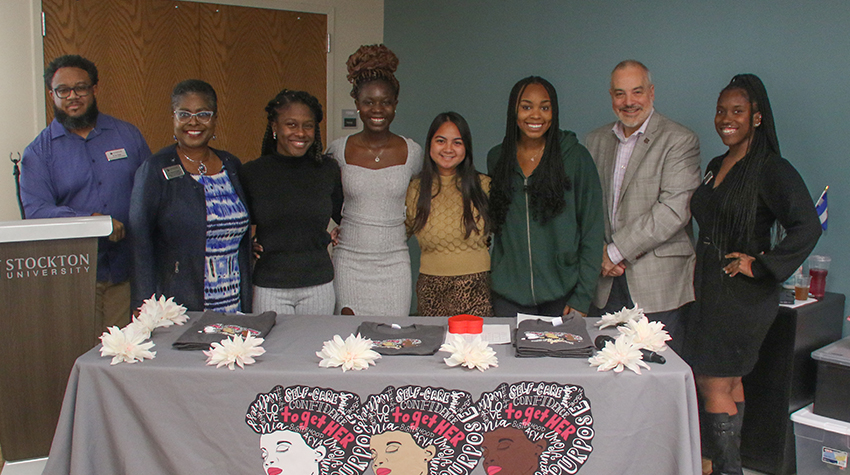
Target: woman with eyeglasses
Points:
(188, 218)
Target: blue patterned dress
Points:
(227, 223)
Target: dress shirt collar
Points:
(621, 135)
(103, 122)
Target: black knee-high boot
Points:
(703, 433)
(723, 442)
(738, 420)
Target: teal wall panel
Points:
(465, 55)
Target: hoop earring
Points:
(274, 135)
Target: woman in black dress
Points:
(742, 256)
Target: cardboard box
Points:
(823, 444)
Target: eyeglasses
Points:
(63, 92)
(203, 117)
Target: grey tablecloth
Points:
(175, 415)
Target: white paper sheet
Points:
(493, 334)
(799, 303)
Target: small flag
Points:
(821, 208)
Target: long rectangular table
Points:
(175, 415)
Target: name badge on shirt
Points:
(116, 154)
(172, 172)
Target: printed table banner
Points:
(520, 428)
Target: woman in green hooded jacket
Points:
(546, 206)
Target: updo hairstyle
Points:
(372, 63)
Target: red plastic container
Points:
(464, 323)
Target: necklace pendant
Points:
(202, 169)
(377, 159)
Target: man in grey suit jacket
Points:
(649, 167)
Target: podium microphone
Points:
(649, 356)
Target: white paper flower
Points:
(234, 351)
(163, 311)
(619, 354)
(353, 353)
(126, 345)
(619, 318)
(646, 334)
(475, 354)
(145, 323)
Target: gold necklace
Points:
(540, 153)
(378, 156)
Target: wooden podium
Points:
(48, 269)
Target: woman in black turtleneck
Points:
(293, 191)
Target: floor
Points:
(28, 467)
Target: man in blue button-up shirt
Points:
(83, 164)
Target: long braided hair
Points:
(547, 185)
(737, 212)
(372, 63)
(466, 177)
(282, 100)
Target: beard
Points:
(88, 119)
(634, 122)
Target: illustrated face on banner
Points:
(285, 452)
(534, 427)
(507, 451)
(396, 453)
(309, 431)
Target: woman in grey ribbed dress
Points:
(371, 261)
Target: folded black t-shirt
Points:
(416, 339)
(540, 338)
(214, 327)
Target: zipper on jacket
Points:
(528, 237)
(176, 267)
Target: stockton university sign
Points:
(45, 266)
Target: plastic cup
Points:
(801, 287)
(818, 268)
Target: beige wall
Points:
(21, 94)
(350, 23)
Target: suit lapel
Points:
(639, 153)
(609, 155)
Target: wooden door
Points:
(142, 48)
